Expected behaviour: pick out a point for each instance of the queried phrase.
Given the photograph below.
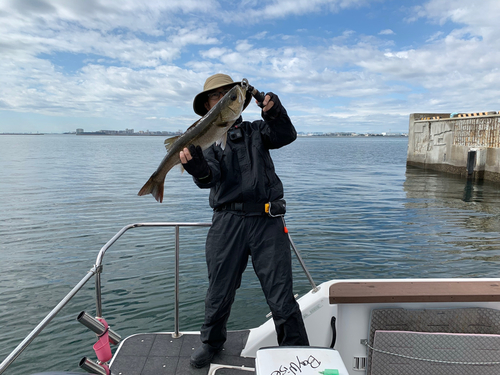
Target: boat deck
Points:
(160, 353)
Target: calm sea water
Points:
(354, 211)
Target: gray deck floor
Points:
(161, 354)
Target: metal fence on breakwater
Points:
(464, 144)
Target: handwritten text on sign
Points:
(295, 367)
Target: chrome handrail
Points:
(100, 256)
(304, 268)
(39, 328)
(97, 270)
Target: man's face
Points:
(215, 95)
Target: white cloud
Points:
(386, 32)
(283, 8)
(477, 18)
(147, 60)
(260, 35)
(214, 53)
(243, 46)
(104, 15)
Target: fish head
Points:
(232, 104)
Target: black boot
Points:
(203, 355)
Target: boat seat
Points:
(415, 353)
(408, 291)
(439, 334)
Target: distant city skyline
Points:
(169, 133)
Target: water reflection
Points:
(471, 193)
(460, 220)
(450, 191)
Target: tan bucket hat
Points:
(214, 82)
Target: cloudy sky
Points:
(337, 65)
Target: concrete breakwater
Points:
(464, 144)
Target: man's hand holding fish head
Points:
(192, 158)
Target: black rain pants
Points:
(231, 239)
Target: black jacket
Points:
(244, 172)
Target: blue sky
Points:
(337, 65)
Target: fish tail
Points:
(153, 187)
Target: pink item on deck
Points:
(101, 347)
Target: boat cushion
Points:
(461, 320)
(415, 353)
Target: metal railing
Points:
(97, 270)
(100, 256)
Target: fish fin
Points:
(170, 141)
(153, 187)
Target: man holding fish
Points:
(242, 180)
(231, 157)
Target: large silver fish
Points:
(211, 128)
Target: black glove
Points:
(275, 110)
(198, 166)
